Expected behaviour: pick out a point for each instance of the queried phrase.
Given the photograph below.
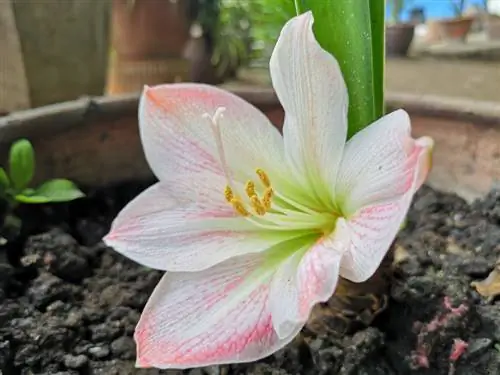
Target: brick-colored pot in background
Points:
(147, 43)
(455, 30)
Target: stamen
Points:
(250, 189)
(228, 194)
(257, 205)
(263, 178)
(239, 207)
(260, 206)
(266, 200)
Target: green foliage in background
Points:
(268, 18)
(15, 185)
(458, 7)
(228, 25)
(396, 7)
(15, 188)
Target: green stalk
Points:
(299, 6)
(377, 17)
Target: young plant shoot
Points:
(252, 227)
(14, 188)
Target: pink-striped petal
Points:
(380, 162)
(303, 280)
(220, 315)
(185, 232)
(373, 228)
(178, 137)
(311, 88)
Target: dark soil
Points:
(70, 305)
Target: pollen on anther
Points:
(263, 177)
(239, 207)
(228, 194)
(257, 205)
(266, 199)
(250, 188)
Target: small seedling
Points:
(15, 188)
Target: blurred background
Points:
(54, 51)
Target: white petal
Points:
(303, 280)
(373, 228)
(185, 235)
(177, 138)
(310, 86)
(220, 315)
(379, 163)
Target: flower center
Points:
(271, 209)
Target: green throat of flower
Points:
(268, 207)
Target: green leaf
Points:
(4, 179)
(343, 28)
(21, 164)
(58, 190)
(377, 18)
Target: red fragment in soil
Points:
(419, 358)
(459, 347)
(420, 355)
(457, 311)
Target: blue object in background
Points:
(432, 8)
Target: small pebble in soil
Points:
(477, 347)
(99, 352)
(123, 347)
(105, 331)
(63, 257)
(75, 361)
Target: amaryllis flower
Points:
(254, 228)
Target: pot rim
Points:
(54, 118)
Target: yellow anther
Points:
(239, 207)
(266, 199)
(257, 205)
(263, 177)
(228, 194)
(250, 189)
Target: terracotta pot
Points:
(199, 50)
(148, 39)
(493, 26)
(433, 34)
(398, 39)
(455, 30)
(149, 28)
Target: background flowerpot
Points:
(455, 30)
(147, 44)
(433, 34)
(493, 26)
(51, 51)
(199, 52)
(398, 39)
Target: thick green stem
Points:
(377, 17)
